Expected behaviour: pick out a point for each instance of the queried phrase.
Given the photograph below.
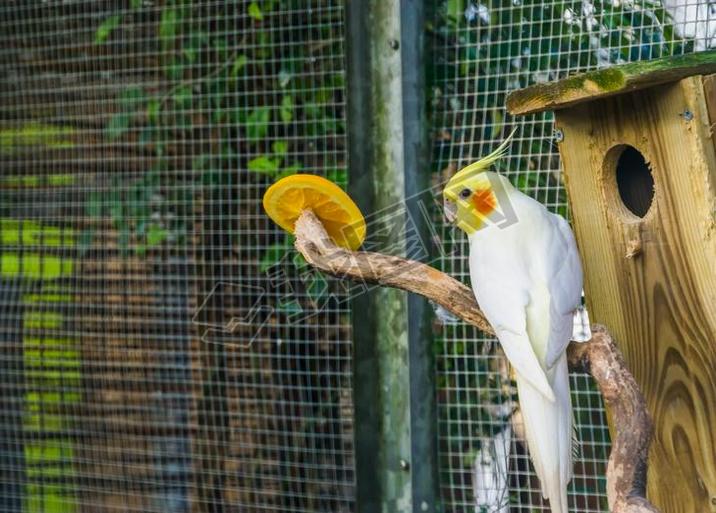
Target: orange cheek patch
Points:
(484, 201)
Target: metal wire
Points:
(481, 52)
(139, 369)
(161, 346)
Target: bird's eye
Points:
(465, 193)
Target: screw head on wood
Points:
(687, 115)
(558, 135)
(404, 465)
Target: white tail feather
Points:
(548, 429)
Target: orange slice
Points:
(286, 199)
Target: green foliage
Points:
(257, 123)
(220, 85)
(255, 11)
(105, 29)
(168, 27)
(286, 112)
(118, 124)
(239, 64)
(274, 253)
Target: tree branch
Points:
(627, 467)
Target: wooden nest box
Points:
(638, 152)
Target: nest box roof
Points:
(610, 81)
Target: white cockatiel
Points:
(527, 277)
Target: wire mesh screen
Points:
(483, 50)
(160, 347)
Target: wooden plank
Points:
(610, 81)
(710, 97)
(659, 303)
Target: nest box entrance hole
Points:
(632, 178)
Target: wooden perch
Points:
(627, 466)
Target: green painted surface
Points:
(54, 378)
(50, 362)
(14, 139)
(47, 297)
(15, 232)
(31, 181)
(52, 357)
(44, 422)
(48, 342)
(43, 451)
(43, 399)
(48, 498)
(42, 320)
(35, 266)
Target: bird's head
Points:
(469, 198)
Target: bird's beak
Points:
(450, 210)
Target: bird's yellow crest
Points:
(469, 196)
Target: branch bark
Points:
(627, 466)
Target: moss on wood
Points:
(608, 82)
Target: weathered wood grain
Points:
(626, 470)
(660, 300)
(610, 81)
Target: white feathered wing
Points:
(527, 278)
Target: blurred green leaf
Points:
(290, 307)
(106, 28)
(264, 165)
(279, 148)
(263, 44)
(220, 48)
(455, 10)
(183, 97)
(289, 170)
(131, 98)
(174, 69)
(257, 123)
(201, 162)
(117, 125)
(85, 240)
(153, 107)
(273, 255)
(286, 111)
(317, 288)
(284, 78)
(168, 27)
(156, 235)
(338, 176)
(194, 45)
(255, 11)
(239, 64)
(312, 110)
(93, 206)
(124, 235)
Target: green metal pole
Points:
(416, 170)
(395, 424)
